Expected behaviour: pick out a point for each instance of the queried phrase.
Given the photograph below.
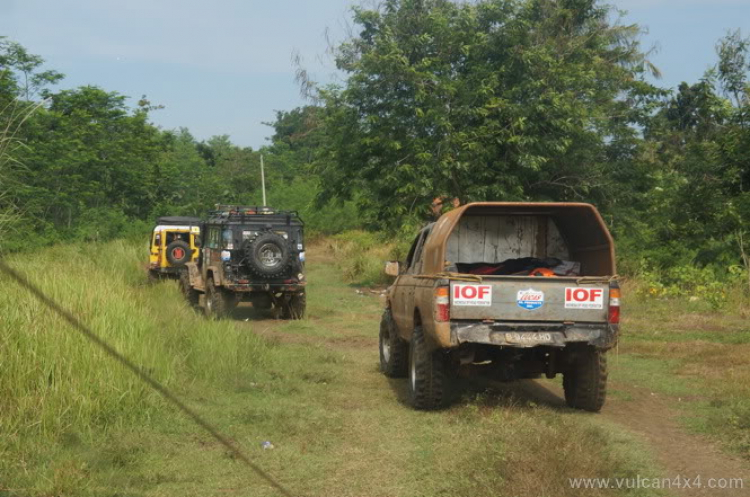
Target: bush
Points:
(716, 286)
(361, 255)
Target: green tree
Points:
(698, 208)
(20, 73)
(21, 79)
(86, 156)
(536, 99)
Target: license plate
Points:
(528, 338)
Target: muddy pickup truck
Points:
(511, 290)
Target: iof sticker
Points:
(584, 298)
(480, 295)
(530, 299)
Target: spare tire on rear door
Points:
(268, 255)
(178, 253)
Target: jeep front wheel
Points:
(394, 352)
(585, 381)
(192, 296)
(427, 373)
(219, 303)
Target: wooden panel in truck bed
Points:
(497, 238)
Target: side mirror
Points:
(197, 242)
(391, 268)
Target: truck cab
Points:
(523, 289)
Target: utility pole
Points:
(263, 179)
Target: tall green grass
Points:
(361, 255)
(72, 422)
(54, 382)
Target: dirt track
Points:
(680, 452)
(648, 415)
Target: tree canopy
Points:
(487, 100)
(538, 99)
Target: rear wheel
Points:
(219, 303)
(427, 374)
(394, 352)
(298, 305)
(585, 381)
(294, 306)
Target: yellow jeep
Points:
(175, 241)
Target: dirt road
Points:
(647, 419)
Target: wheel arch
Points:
(213, 274)
(428, 328)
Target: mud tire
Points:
(295, 306)
(394, 352)
(427, 374)
(192, 296)
(585, 381)
(219, 303)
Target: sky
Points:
(224, 67)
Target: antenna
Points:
(263, 179)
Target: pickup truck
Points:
(516, 290)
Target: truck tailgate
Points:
(514, 298)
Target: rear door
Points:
(507, 298)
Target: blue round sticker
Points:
(530, 299)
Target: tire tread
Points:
(585, 384)
(430, 367)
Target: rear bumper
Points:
(265, 287)
(529, 334)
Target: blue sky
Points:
(224, 67)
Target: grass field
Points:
(74, 423)
(697, 357)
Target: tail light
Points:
(442, 304)
(614, 304)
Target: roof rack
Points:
(242, 213)
(177, 220)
